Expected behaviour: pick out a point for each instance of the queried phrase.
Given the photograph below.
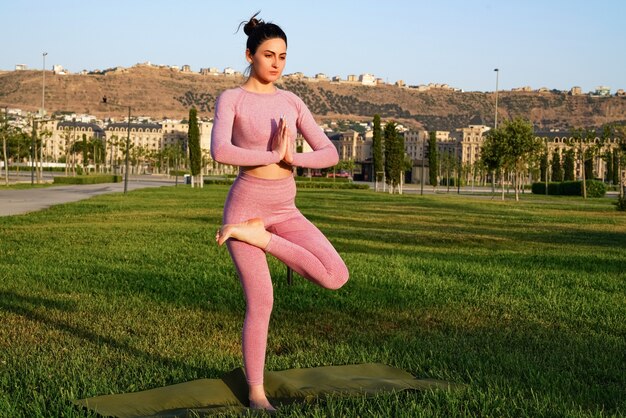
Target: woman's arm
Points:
(222, 148)
(324, 152)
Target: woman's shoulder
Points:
(230, 94)
(292, 98)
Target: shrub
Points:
(88, 179)
(621, 203)
(304, 184)
(595, 188)
(173, 173)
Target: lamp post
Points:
(423, 157)
(43, 88)
(4, 145)
(104, 100)
(497, 74)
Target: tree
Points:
(616, 173)
(583, 137)
(85, 152)
(377, 148)
(433, 168)
(195, 152)
(394, 156)
(569, 165)
(543, 166)
(493, 153)
(608, 158)
(557, 169)
(513, 147)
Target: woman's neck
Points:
(255, 85)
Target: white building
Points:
(367, 79)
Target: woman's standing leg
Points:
(254, 275)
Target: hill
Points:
(163, 92)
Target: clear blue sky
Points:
(541, 43)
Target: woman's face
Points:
(269, 60)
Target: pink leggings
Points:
(295, 241)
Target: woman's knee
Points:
(336, 279)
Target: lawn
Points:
(524, 303)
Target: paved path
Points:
(16, 202)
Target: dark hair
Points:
(258, 32)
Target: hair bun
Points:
(252, 24)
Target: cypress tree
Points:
(433, 168)
(377, 148)
(588, 167)
(85, 157)
(543, 165)
(568, 165)
(616, 166)
(193, 136)
(557, 169)
(608, 157)
(393, 155)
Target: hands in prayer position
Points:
(281, 142)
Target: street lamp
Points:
(104, 100)
(4, 145)
(497, 73)
(43, 89)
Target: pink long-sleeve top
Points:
(245, 122)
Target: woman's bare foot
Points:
(251, 231)
(258, 399)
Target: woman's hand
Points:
(281, 142)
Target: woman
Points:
(255, 127)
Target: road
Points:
(17, 202)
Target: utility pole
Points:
(4, 145)
(423, 157)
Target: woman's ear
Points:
(248, 56)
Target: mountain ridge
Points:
(166, 93)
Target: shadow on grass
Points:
(30, 307)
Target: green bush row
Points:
(322, 179)
(595, 188)
(305, 184)
(88, 179)
(329, 185)
(173, 173)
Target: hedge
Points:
(304, 184)
(595, 188)
(88, 179)
(173, 173)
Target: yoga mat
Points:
(230, 393)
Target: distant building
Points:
(576, 91)
(229, 71)
(321, 76)
(602, 91)
(525, 88)
(186, 69)
(351, 145)
(352, 78)
(21, 67)
(367, 79)
(58, 69)
(620, 92)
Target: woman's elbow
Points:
(217, 154)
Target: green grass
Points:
(525, 302)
